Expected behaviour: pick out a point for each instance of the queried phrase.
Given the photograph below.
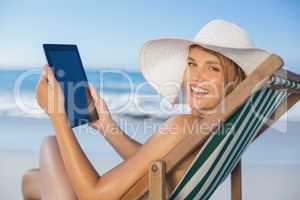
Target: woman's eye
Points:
(191, 64)
(213, 68)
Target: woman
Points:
(207, 76)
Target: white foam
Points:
(136, 106)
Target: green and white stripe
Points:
(275, 80)
(223, 149)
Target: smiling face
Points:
(205, 78)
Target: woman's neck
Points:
(196, 113)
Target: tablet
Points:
(66, 64)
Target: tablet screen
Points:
(67, 66)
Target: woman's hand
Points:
(49, 94)
(105, 120)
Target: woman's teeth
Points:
(198, 90)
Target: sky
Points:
(111, 33)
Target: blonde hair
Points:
(233, 74)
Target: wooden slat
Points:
(236, 182)
(157, 180)
(224, 110)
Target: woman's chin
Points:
(194, 104)
(200, 107)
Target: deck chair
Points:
(265, 95)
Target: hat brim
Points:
(163, 62)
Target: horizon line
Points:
(87, 67)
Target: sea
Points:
(125, 92)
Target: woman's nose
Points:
(201, 73)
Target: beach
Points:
(260, 181)
(271, 165)
(138, 55)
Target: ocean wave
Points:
(124, 104)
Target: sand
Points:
(271, 168)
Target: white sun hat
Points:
(163, 61)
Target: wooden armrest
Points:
(157, 180)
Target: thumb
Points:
(95, 97)
(50, 74)
(93, 92)
(99, 102)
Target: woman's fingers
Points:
(43, 77)
(95, 97)
(50, 74)
(93, 92)
(48, 93)
(47, 74)
(102, 109)
(42, 83)
(99, 102)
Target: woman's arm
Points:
(84, 178)
(120, 141)
(81, 172)
(112, 185)
(50, 98)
